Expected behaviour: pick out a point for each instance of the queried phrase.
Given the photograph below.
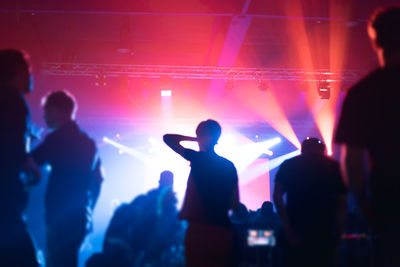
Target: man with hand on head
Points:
(212, 190)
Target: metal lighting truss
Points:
(200, 72)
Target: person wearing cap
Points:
(313, 217)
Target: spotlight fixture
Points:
(100, 80)
(324, 89)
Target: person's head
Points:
(166, 179)
(59, 108)
(312, 145)
(383, 30)
(15, 70)
(208, 133)
(241, 214)
(267, 208)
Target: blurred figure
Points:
(16, 248)
(74, 182)
(128, 219)
(267, 218)
(211, 191)
(241, 215)
(166, 180)
(164, 237)
(145, 232)
(313, 218)
(367, 129)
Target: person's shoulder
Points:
(292, 161)
(226, 161)
(85, 137)
(122, 208)
(331, 162)
(51, 137)
(368, 82)
(12, 98)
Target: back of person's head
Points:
(383, 28)
(15, 69)
(61, 101)
(267, 208)
(312, 145)
(209, 128)
(241, 214)
(166, 179)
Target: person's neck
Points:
(208, 150)
(391, 59)
(62, 124)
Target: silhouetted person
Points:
(212, 190)
(267, 218)
(166, 230)
(143, 231)
(313, 218)
(16, 248)
(368, 129)
(128, 219)
(74, 181)
(241, 215)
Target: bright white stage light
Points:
(166, 93)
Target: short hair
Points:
(209, 128)
(312, 144)
(12, 61)
(383, 28)
(61, 100)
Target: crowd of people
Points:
(150, 231)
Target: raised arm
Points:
(173, 141)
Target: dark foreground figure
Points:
(313, 218)
(212, 190)
(16, 248)
(368, 128)
(74, 182)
